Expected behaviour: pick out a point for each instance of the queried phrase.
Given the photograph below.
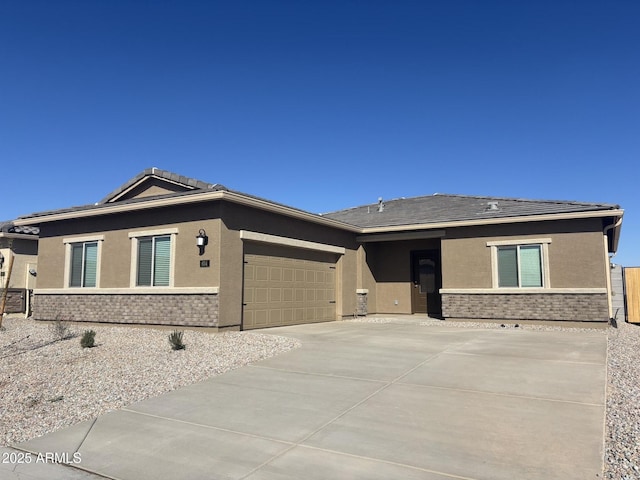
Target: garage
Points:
(287, 286)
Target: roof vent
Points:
(492, 206)
(380, 205)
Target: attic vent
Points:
(380, 205)
(492, 206)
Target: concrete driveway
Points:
(370, 401)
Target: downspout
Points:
(608, 263)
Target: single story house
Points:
(170, 250)
(18, 263)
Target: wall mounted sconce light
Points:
(202, 240)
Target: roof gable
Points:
(154, 182)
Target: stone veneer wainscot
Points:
(186, 309)
(589, 307)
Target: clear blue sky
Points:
(324, 104)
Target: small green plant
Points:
(88, 339)
(175, 340)
(60, 330)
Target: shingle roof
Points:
(440, 208)
(423, 210)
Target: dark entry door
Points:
(427, 281)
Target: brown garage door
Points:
(287, 286)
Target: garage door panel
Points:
(249, 273)
(287, 295)
(286, 286)
(249, 295)
(275, 317)
(260, 318)
(287, 275)
(276, 274)
(275, 296)
(262, 273)
(261, 295)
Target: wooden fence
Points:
(632, 286)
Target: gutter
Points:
(20, 236)
(496, 221)
(109, 209)
(616, 235)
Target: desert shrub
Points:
(60, 330)
(175, 340)
(88, 339)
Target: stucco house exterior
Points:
(18, 265)
(170, 250)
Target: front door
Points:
(427, 281)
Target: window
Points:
(154, 261)
(82, 261)
(153, 257)
(84, 264)
(520, 266)
(520, 263)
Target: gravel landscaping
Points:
(47, 384)
(622, 441)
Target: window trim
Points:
(135, 237)
(68, 244)
(543, 243)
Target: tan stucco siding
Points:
(390, 264)
(25, 254)
(466, 263)
(366, 280)
(50, 262)
(225, 249)
(576, 257)
(347, 283)
(577, 260)
(231, 274)
(393, 272)
(116, 247)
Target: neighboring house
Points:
(21, 243)
(166, 249)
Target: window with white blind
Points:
(83, 269)
(152, 257)
(520, 264)
(154, 261)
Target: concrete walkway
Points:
(366, 401)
